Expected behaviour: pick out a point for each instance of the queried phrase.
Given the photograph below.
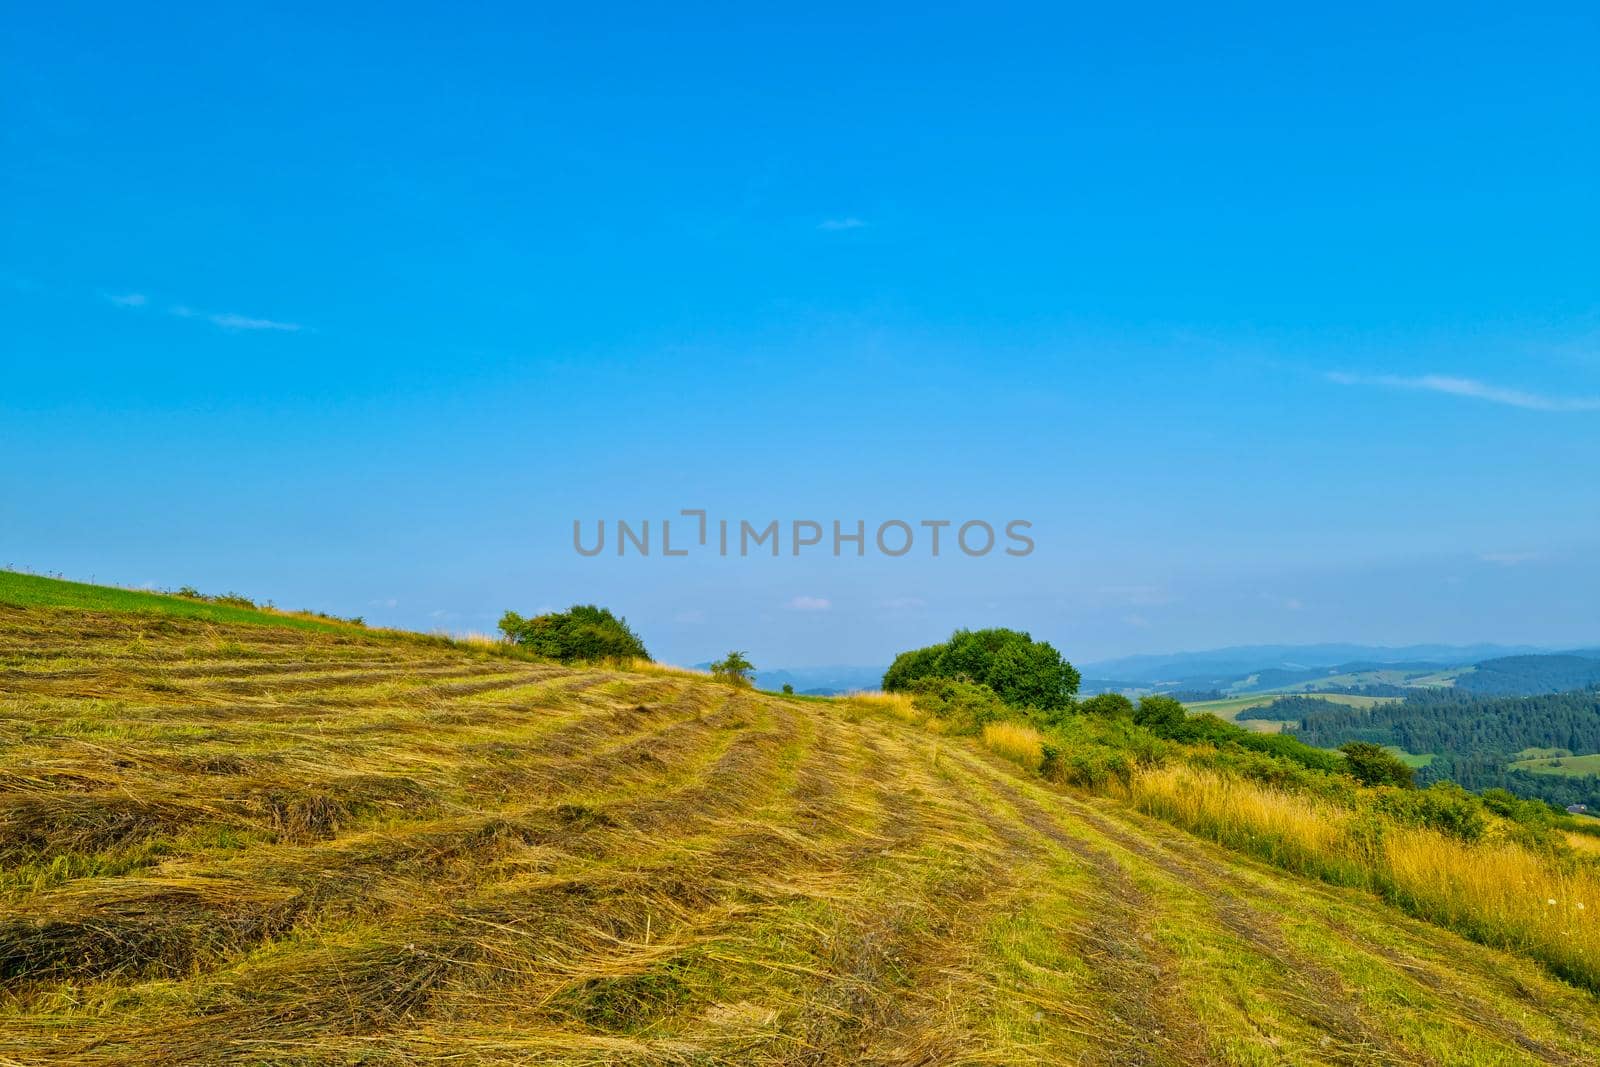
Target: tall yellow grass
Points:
(1290, 829)
(1586, 843)
(898, 705)
(1497, 892)
(645, 666)
(1016, 742)
(1500, 891)
(479, 638)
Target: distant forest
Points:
(1296, 708)
(1473, 736)
(1527, 675)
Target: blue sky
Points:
(1277, 325)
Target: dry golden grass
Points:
(1291, 829)
(246, 844)
(897, 705)
(1503, 893)
(1584, 843)
(644, 666)
(1017, 742)
(1496, 891)
(479, 639)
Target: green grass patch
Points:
(1543, 753)
(1565, 766)
(28, 590)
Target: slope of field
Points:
(251, 844)
(1230, 707)
(1569, 765)
(30, 589)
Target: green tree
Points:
(1024, 673)
(1373, 765)
(1107, 705)
(583, 634)
(1160, 714)
(735, 670)
(788, 690)
(911, 667)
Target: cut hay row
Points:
(247, 845)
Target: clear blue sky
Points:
(1278, 325)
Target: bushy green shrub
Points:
(1443, 806)
(1107, 706)
(584, 634)
(1160, 714)
(1094, 768)
(1536, 814)
(964, 707)
(1023, 672)
(1371, 764)
(1208, 729)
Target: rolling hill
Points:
(1239, 661)
(1382, 673)
(240, 841)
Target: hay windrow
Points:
(242, 844)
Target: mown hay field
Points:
(231, 843)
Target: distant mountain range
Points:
(1245, 659)
(1483, 669)
(1486, 669)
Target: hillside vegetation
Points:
(1480, 740)
(225, 842)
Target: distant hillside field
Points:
(223, 842)
(1526, 674)
(1233, 708)
(1566, 766)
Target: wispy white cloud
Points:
(809, 603)
(1472, 388)
(222, 320)
(1508, 559)
(230, 321)
(849, 222)
(227, 320)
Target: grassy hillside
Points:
(224, 842)
(29, 589)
